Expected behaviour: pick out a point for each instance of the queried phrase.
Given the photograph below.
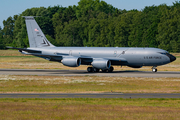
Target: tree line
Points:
(95, 23)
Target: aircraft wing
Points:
(118, 61)
(86, 60)
(114, 61)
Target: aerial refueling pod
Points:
(101, 63)
(71, 61)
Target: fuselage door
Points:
(123, 52)
(70, 53)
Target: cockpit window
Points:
(164, 53)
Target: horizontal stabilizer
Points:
(25, 49)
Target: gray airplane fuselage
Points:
(134, 57)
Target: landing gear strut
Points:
(154, 69)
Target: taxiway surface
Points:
(39, 72)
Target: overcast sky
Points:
(15, 7)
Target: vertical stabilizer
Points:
(35, 35)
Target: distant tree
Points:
(2, 45)
(61, 21)
(150, 22)
(53, 10)
(8, 30)
(96, 23)
(169, 29)
(123, 29)
(91, 8)
(136, 29)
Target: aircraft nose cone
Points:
(171, 57)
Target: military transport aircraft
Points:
(97, 58)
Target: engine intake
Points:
(101, 63)
(71, 61)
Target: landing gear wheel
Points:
(106, 70)
(95, 70)
(154, 69)
(90, 69)
(111, 69)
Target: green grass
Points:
(17, 57)
(141, 102)
(88, 109)
(87, 84)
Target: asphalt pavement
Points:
(163, 74)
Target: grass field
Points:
(90, 109)
(87, 84)
(12, 59)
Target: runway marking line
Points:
(27, 95)
(113, 95)
(85, 95)
(56, 95)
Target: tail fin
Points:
(35, 35)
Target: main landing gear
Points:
(154, 69)
(92, 69)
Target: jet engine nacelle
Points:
(71, 61)
(101, 63)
